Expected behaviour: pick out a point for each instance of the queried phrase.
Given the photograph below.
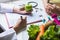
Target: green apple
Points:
(28, 7)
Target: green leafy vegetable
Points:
(51, 34)
(33, 31)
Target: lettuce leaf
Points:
(33, 31)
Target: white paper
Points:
(12, 18)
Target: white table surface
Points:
(12, 20)
(23, 35)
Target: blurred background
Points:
(6, 1)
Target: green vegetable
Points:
(28, 7)
(33, 31)
(58, 32)
(50, 34)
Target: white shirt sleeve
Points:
(8, 35)
(7, 7)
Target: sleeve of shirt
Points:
(8, 35)
(7, 7)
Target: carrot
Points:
(42, 28)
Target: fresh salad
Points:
(36, 32)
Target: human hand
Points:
(21, 11)
(52, 9)
(21, 23)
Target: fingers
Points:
(50, 8)
(49, 12)
(23, 17)
(23, 11)
(21, 23)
